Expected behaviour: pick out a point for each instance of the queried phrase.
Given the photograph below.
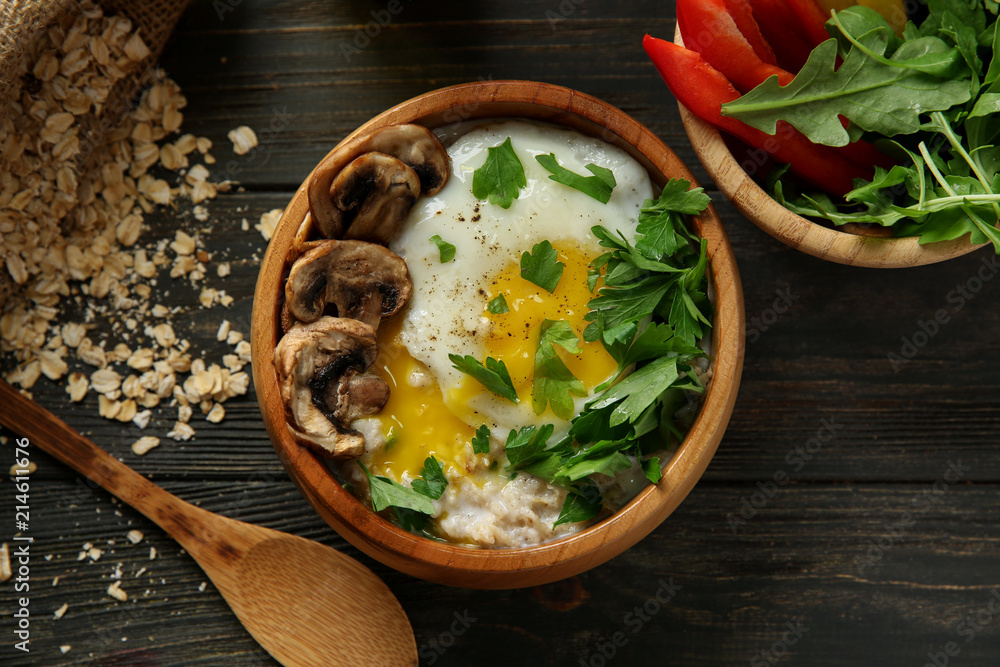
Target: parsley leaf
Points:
(599, 186)
(432, 481)
(526, 445)
(651, 469)
(542, 267)
(577, 508)
(498, 305)
(445, 249)
(553, 382)
(501, 177)
(660, 226)
(638, 391)
(493, 375)
(481, 440)
(387, 493)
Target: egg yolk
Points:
(417, 419)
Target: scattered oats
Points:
(94, 553)
(135, 48)
(147, 442)
(55, 581)
(202, 587)
(60, 612)
(234, 338)
(164, 335)
(184, 413)
(181, 431)
(52, 365)
(141, 572)
(16, 470)
(244, 139)
(105, 381)
(107, 407)
(73, 334)
(82, 556)
(141, 419)
(268, 222)
(204, 145)
(76, 386)
(225, 299)
(243, 349)
(5, 571)
(141, 359)
(238, 384)
(245, 224)
(65, 648)
(152, 553)
(216, 414)
(208, 296)
(128, 411)
(90, 354)
(182, 243)
(134, 536)
(157, 190)
(232, 362)
(223, 269)
(200, 213)
(115, 591)
(160, 311)
(223, 331)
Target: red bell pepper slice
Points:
(703, 90)
(708, 28)
(743, 16)
(783, 31)
(812, 18)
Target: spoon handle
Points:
(179, 519)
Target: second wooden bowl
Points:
(801, 233)
(510, 568)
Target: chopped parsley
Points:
(493, 375)
(501, 177)
(498, 305)
(387, 493)
(599, 186)
(432, 481)
(542, 267)
(481, 440)
(445, 249)
(553, 383)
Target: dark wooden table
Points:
(849, 517)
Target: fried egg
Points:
(434, 408)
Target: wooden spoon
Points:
(305, 603)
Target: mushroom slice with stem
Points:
(370, 198)
(414, 145)
(365, 281)
(325, 384)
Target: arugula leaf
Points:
(651, 469)
(481, 440)
(553, 382)
(493, 375)
(445, 249)
(599, 186)
(387, 493)
(498, 305)
(577, 508)
(501, 177)
(879, 94)
(542, 267)
(432, 481)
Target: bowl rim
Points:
(507, 568)
(796, 231)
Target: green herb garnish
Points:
(432, 481)
(446, 251)
(501, 177)
(481, 440)
(541, 266)
(599, 186)
(387, 493)
(498, 305)
(553, 382)
(493, 375)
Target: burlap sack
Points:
(21, 21)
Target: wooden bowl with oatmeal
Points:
(497, 334)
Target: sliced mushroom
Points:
(414, 145)
(365, 281)
(419, 148)
(370, 199)
(325, 384)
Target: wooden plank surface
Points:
(872, 553)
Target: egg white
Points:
(445, 312)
